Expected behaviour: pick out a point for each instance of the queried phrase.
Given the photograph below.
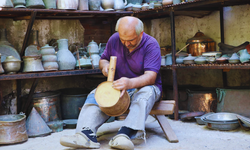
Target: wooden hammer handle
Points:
(112, 67)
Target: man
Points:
(137, 71)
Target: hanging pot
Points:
(199, 44)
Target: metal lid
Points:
(47, 47)
(189, 57)
(11, 59)
(199, 37)
(92, 42)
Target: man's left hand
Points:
(121, 84)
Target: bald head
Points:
(129, 24)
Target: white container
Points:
(50, 66)
(67, 4)
(176, 1)
(95, 60)
(169, 59)
(65, 58)
(83, 5)
(47, 50)
(50, 58)
(163, 60)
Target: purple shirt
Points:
(146, 57)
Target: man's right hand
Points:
(105, 70)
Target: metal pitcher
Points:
(119, 5)
(93, 48)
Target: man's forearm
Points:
(148, 78)
(103, 63)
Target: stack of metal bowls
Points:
(221, 121)
(245, 120)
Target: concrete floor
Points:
(191, 137)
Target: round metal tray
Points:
(222, 117)
(224, 126)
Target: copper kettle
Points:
(199, 44)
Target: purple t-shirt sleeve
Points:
(152, 60)
(106, 54)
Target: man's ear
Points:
(141, 34)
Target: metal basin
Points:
(71, 100)
(220, 125)
(12, 129)
(221, 117)
(47, 105)
(198, 118)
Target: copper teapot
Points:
(199, 44)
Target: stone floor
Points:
(191, 137)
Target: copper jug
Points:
(199, 44)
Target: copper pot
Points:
(13, 129)
(205, 101)
(199, 44)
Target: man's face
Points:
(130, 39)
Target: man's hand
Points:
(105, 70)
(121, 84)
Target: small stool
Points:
(159, 110)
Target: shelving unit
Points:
(32, 15)
(48, 74)
(197, 8)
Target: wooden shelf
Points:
(49, 74)
(196, 8)
(23, 14)
(208, 66)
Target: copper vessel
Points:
(205, 101)
(47, 105)
(199, 44)
(13, 129)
